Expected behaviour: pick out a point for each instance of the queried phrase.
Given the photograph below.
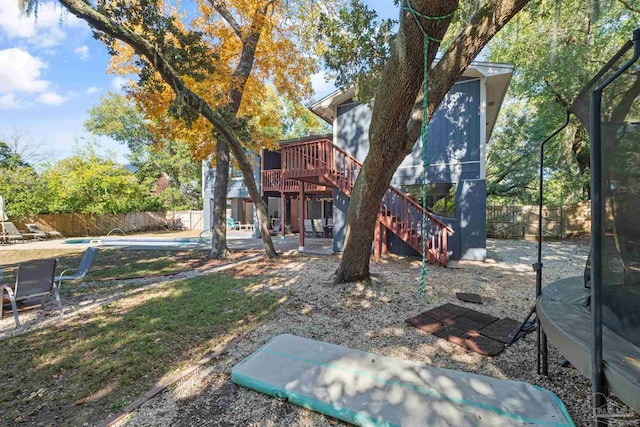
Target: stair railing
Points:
(398, 212)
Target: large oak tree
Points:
(397, 112)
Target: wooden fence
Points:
(76, 225)
(521, 222)
(187, 220)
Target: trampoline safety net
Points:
(620, 139)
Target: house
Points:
(321, 170)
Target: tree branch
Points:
(485, 24)
(144, 48)
(245, 64)
(221, 7)
(507, 191)
(559, 97)
(629, 7)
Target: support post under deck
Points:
(283, 215)
(302, 215)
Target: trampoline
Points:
(594, 320)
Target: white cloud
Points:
(51, 98)
(91, 90)
(119, 82)
(20, 72)
(48, 29)
(9, 102)
(82, 52)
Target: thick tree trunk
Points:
(396, 120)
(219, 211)
(240, 77)
(263, 218)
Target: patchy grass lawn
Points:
(109, 263)
(105, 359)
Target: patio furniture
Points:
(308, 228)
(328, 227)
(10, 232)
(232, 224)
(33, 228)
(318, 228)
(34, 279)
(85, 264)
(247, 226)
(36, 232)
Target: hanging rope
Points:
(424, 129)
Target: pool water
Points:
(142, 242)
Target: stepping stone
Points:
(482, 318)
(483, 345)
(452, 334)
(502, 330)
(466, 297)
(471, 324)
(441, 314)
(425, 323)
(464, 327)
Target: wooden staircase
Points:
(320, 162)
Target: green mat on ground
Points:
(367, 389)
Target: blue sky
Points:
(52, 71)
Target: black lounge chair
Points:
(38, 232)
(34, 279)
(10, 232)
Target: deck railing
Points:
(272, 180)
(398, 212)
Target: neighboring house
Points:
(328, 166)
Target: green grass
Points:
(113, 355)
(108, 264)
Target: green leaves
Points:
(90, 183)
(556, 47)
(24, 192)
(9, 158)
(357, 47)
(119, 118)
(183, 48)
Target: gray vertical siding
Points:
(236, 189)
(471, 213)
(453, 145)
(207, 194)
(453, 152)
(340, 208)
(353, 129)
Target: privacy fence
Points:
(186, 220)
(503, 222)
(521, 222)
(75, 225)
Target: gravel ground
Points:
(371, 318)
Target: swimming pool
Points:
(144, 242)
